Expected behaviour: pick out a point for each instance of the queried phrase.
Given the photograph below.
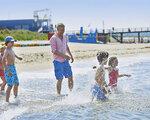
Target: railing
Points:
(113, 30)
(117, 30)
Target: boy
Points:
(98, 90)
(8, 61)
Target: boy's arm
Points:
(4, 59)
(20, 58)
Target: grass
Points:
(22, 35)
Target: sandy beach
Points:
(37, 92)
(40, 57)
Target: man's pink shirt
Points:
(59, 45)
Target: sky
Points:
(86, 13)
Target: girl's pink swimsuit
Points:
(113, 76)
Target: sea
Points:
(38, 100)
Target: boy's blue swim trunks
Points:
(98, 93)
(11, 75)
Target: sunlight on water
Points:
(38, 99)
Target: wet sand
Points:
(40, 57)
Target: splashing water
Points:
(38, 99)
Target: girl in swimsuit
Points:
(114, 73)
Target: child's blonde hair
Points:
(111, 59)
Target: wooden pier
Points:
(139, 34)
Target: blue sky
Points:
(76, 13)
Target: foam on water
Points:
(39, 101)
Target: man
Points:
(59, 48)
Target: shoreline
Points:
(40, 57)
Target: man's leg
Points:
(8, 93)
(70, 83)
(59, 82)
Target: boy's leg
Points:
(8, 93)
(15, 90)
(59, 83)
(70, 83)
(3, 84)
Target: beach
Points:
(37, 89)
(40, 57)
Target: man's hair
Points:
(111, 59)
(101, 55)
(60, 25)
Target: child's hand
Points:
(104, 90)
(128, 75)
(94, 67)
(10, 74)
(20, 58)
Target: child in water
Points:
(98, 89)
(2, 76)
(8, 61)
(114, 73)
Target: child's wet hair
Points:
(111, 59)
(101, 55)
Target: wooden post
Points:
(121, 37)
(138, 37)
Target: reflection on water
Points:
(39, 102)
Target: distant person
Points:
(59, 48)
(2, 76)
(8, 61)
(129, 30)
(99, 88)
(114, 73)
(113, 29)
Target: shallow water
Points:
(38, 100)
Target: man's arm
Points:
(69, 52)
(61, 54)
(55, 51)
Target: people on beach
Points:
(2, 89)
(8, 61)
(114, 73)
(59, 49)
(99, 88)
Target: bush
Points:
(22, 35)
